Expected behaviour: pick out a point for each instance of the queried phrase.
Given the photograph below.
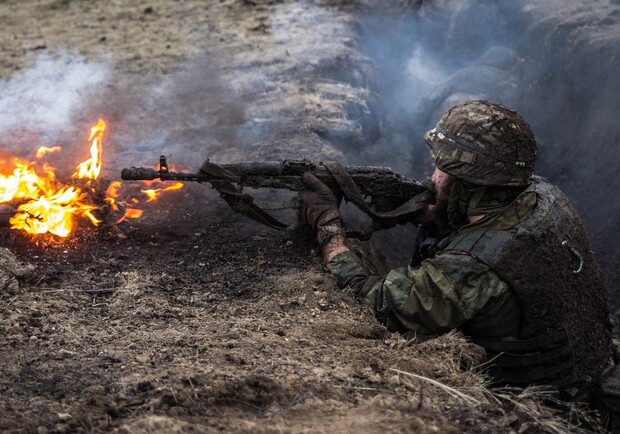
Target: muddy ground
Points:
(194, 319)
(213, 324)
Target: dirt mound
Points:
(12, 272)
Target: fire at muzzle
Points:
(36, 200)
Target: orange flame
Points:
(23, 183)
(112, 194)
(43, 150)
(130, 213)
(48, 206)
(91, 168)
(153, 193)
(53, 214)
(112, 199)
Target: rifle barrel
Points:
(147, 174)
(372, 181)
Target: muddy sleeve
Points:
(442, 294)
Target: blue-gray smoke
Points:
(40, 103)
(556, 62)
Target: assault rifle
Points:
(393, 199)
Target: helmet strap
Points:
(466, 199)
(458, 203)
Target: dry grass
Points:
(449, 364)
(450, 390)
(542, 408)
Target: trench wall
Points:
(556, 62)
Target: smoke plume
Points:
(38, 105)
(555, 66)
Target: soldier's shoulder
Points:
(456, 260)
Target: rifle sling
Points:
(353, 194)
(244, 204)
(214, 170)
(255, 209)
(241, 203)
(272, 205)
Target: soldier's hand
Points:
(318, 203)
(319, 209)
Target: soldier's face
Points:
(438, 212)
(442, 183)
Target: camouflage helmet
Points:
(485, 144)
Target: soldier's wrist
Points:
(334, 247)
(329, 217)
(328, 230)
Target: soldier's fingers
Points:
(306, 196)
(312, 182)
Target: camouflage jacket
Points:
(552, 327)
(447, 291)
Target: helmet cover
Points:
(485, 144)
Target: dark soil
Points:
(202, 321)
(195, 319)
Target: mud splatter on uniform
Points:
(541, 322)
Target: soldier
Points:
(516, 273)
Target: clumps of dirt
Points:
(12, 272)
(161, 424)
